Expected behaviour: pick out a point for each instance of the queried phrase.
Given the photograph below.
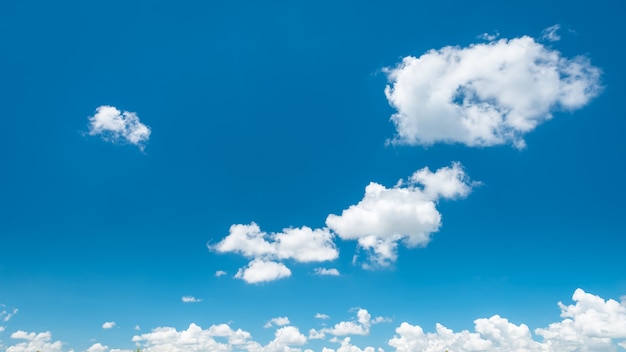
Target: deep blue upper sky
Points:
(275, 113)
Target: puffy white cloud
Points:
(346, 346)
(97, 347)
(328, 272)
(278, 321)
(592, 324)
(284, 338)
(190, 299)
(34, 342)
(259, 270)
(321, 316)
(551, 34)
(300, 244)
(360, 326)
(220, 273)
(589, 324)
(119, 126)
(485, 94)
(108, 325)
(194, 338)
(412, 338)
(405, 213)
(316, 335)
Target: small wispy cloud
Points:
(118, 126)
(7, 314)
(489, 36)
(322, 316)
(108, 325)
(220, 273)
(551, 34)
(326, 272)
(191, 299)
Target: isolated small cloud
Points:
(108, 325)
(190, 299)
(119, 126)
(137, 327)
(551, 34)
(405, 213)
(259, 270)
(220, 273)
(486, 94)
(489, 36)
(278, 321)
(326, 272)
(321, 316)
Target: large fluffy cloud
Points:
(300, 244)
(405, 213)
(119, 126)
(486, 94)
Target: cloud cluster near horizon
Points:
(487, 93)
(590, 324)
(386, 217)
(119, 126)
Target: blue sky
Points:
(138, 137)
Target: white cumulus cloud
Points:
(259, 270)
(300, 244)
(34, 342)
(360, 326)
(590, 324)
(220, 273)
(97, 347)
(190, 299)
(405, 213)
(119, 126)
(346, 346)
(321, 316)
(278, 321)
(486, 94)
(325, 271)
(108, 325)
